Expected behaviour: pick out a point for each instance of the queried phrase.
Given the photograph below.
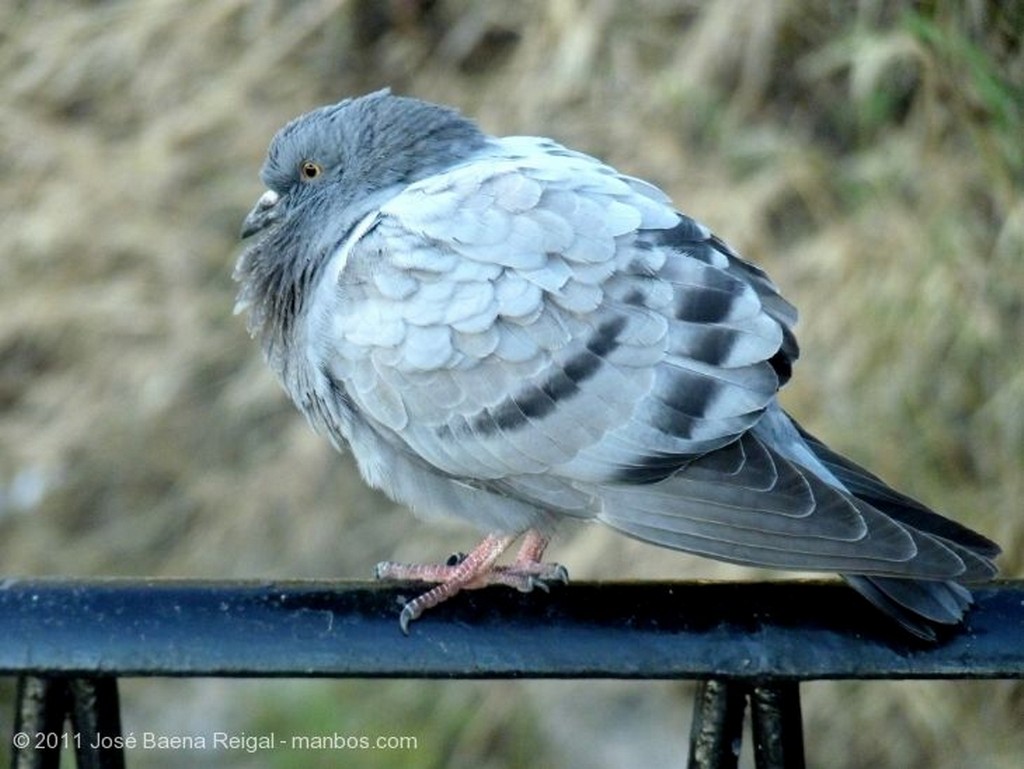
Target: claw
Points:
(409, 613)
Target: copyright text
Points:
(238, 741)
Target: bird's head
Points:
(327, 169)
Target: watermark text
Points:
(218, 741)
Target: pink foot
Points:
(475, 570)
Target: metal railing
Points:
(68, 641)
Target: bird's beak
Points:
(263, 214)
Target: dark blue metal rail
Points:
(69, 640)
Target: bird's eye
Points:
(310, 170)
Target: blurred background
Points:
(869, 154)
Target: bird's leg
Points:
(474, 570)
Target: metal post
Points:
(96, 720)
(38, 722)
(777, 726)
(717, 730)
(44, 703)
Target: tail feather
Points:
(915, 604)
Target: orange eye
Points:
(309, 170)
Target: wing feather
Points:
(796, 522)
(564, 303)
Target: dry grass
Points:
(868, 154)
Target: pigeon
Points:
(513, 333)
